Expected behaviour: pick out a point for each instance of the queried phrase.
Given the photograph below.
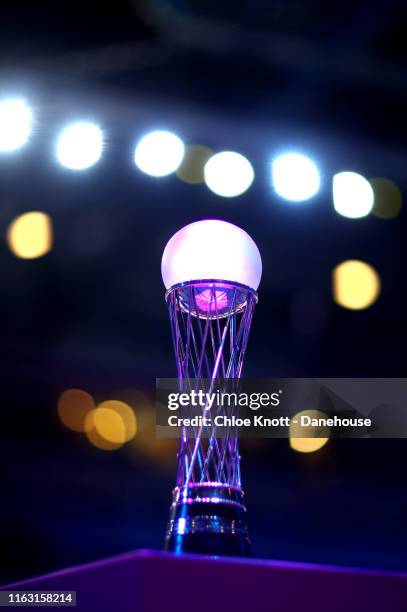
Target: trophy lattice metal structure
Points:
(210, 323)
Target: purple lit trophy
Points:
(211, 270)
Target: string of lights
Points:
(294, 176)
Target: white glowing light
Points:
(15, 124)
(159, 153)
(353, 195)
(228, 174)
(211, 249)
(80, 145)
(295, 177)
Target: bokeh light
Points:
(353, 195)
(105, 420)
(191, 169)
(356, 284)
(228, 174)
(30, 235)
(110, 425)
(80, 145)
(295, 177)
(127, 416)
(159, 153)
(307, 444)
(73, 406)
(15, 124)
(388, 199)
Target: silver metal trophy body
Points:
(210, 322)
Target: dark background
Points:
(254, 77)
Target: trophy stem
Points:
(210, 322)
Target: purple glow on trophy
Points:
(211, 270)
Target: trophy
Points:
(211, 270)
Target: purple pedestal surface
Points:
(151, 581)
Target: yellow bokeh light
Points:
(126, 414)
(73, 406)
(107, 424)
(191, 169)
(30, 235)
(356, 284)
(387, 198)
(110, 425)
(99, 442)
(308, 444)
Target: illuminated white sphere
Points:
(80, 146)
(211, 250)
(15, 124)
(228, 174)
(353, 195)
(295, 177)
(159, 153)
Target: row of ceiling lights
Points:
(294, 176)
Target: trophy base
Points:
(210, 519)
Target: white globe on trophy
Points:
(211, 270)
